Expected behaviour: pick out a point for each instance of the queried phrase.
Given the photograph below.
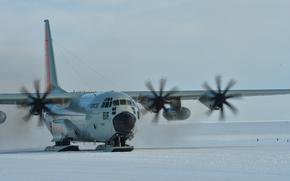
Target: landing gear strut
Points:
(116, 144)
(118, 141)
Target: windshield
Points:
(123, 102)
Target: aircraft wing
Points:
(196, 94)
(19, 98)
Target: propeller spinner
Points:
(220, 97)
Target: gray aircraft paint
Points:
(51, 78)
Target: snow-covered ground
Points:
(222, 163)
(206, 151)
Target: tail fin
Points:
(51, 77)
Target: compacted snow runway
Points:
(204, 163)
(222, 151)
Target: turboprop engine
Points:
(208, 101)
(172, 114)
(216, 99)
(2, 117)
(162, 100)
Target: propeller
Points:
(220, 97)
(36, 102)
(158, 99)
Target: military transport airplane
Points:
(110, 117)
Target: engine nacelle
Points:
(2, 117)
(181, 114)
(207, 100)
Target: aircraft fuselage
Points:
(102, 116)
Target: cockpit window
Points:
(133, 103)
(116, 103)
(123, 102)
(107, 102)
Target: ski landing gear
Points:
(116, 144)
(62, 146)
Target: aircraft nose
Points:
(124, 122)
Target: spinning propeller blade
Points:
(36, 102)
(158, 99)
(220, 97)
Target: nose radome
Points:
(124, 122)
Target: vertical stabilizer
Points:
(51, 77)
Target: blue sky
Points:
(119, 44)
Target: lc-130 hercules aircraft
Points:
(110, 117)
